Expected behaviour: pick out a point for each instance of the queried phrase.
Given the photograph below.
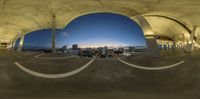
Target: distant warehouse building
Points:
(139, 49)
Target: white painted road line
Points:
(62, 75)
(38, 57)
(151, 68)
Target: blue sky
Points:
(99, 29)
(16, 44)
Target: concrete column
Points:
(152, 45)
(171, 47)
(10, 46)
(13, 45)
(53, 28)
(21, 43)
(168, 46)
(190, 43)
(174, 43)
(183, 41)
(163, 46)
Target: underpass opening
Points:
(103, 35)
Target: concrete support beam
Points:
(152, 45)
(163, 46)
(174, 43)
(13, 45)
(190, 43)
(182, 42)
(53, 28)
(10, 46)
(168, 47)
(21, 43)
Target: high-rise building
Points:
(75, 46)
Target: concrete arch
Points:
(71, 19)
(74, 16)
(173, 19)
(181, 23)
(145, 20)
(169, 25)
(92, 12)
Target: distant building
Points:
(121, 49)
(129, 48)
(110, 52)
(127, 53)
(65, 48)
(140, 48)
(89, 49)
(104, 50)
(75, 47)
(71, 51)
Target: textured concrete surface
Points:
(24, 16)
(107, 79)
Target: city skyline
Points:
(108, 46)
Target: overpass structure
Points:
(168, 22)
(174, 24)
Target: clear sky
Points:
(92, 30)
(38, 39)
(16, 44)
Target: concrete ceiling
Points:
(167, 17)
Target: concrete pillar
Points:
(10, 46)
(174, 43)
(168, 46)
(13, 44)
(21, 43)
(53, 28)
(152, 45)
(190, 43)
(182, 44)
(163, 46)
